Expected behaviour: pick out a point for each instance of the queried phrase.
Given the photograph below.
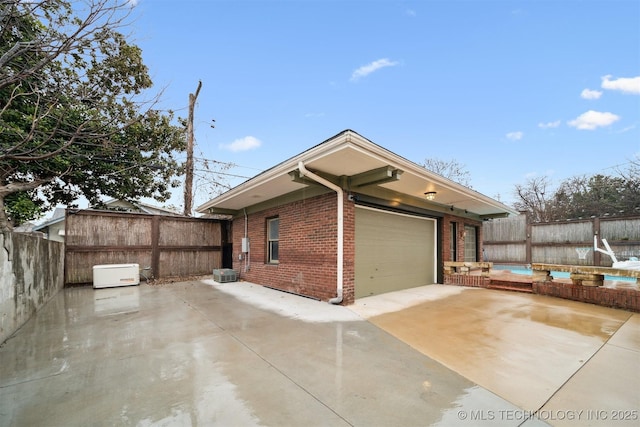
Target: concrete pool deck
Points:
(203, 353)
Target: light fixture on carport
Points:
(430, 195)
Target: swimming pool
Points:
(521, 269)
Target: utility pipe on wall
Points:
(304, 172)
(247, 260)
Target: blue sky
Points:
(509, 89)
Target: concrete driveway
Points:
(569, 363)
(237, 354)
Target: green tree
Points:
(598, 195)
(21, 207)
(72, 115)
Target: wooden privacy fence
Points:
(167, 246)
(516, 241)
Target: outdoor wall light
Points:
(430, 195)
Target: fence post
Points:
(155, 250)
(528, 229)
(595, 226)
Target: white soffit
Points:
(349, 154)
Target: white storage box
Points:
(113, 275)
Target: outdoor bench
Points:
(581, 274)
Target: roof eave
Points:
(369, 148)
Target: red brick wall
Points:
(307, 248)
(446, 237)
(467, 280)
(349, 273)
(627, 299)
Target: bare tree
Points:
(533, 198)
(450, 169)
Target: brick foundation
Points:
(626, 299)
(467, 280)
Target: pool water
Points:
(519, 269)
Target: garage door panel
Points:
(393, 251)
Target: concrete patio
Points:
(203, 353)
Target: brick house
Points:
(348, 218)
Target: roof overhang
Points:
(359, 165)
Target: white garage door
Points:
(393, 251)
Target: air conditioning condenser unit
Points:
(225, 275)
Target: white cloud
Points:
(623, 84)
(627, 129)
(365, 70)
(549, 125)
(515, 136)
(132, 3)
(411, 12)
(590, 94)
(243, 144)
(592, 120)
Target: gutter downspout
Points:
(339, 192)
(247, 261)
